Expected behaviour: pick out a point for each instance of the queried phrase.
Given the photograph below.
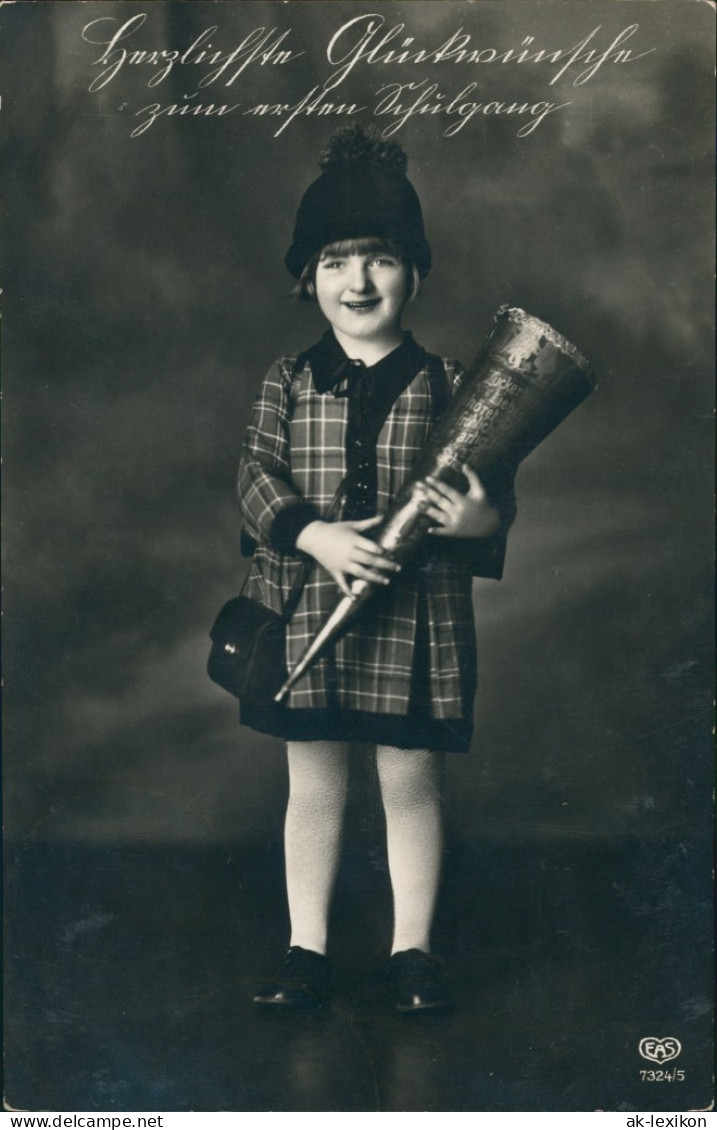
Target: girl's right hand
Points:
(345, 554)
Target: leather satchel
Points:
(247, 656)
(248, 653)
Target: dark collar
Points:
(331, 368)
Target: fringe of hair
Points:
(305, 287)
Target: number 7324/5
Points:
(649, 1076)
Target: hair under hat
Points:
(363, 190)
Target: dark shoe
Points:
(302, 981)
(417, 982)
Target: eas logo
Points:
(660, 1051)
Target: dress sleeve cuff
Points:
(289, 523)
(483, 557)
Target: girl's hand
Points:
(344, 553)
(460, 515)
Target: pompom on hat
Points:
(363, 191)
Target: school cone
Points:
(524, 381)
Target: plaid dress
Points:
(405, 673)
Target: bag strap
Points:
(292, 601)
(439, 385)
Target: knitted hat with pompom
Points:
(363, 191)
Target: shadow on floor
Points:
(130, 971)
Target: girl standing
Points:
(350, 416)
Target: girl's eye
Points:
(331, 264)
(385, 261)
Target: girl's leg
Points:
(318, 776)
(411, 793)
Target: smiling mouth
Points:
(367, 304)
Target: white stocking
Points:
(410, 782)
(318, 777)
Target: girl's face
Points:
(362, 292)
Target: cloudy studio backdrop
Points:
(146, 297)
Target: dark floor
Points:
(131, 969)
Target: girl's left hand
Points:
(460, 515)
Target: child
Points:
(362, 401)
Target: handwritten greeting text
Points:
(363, 41)
(371, 47)
(258, 46)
